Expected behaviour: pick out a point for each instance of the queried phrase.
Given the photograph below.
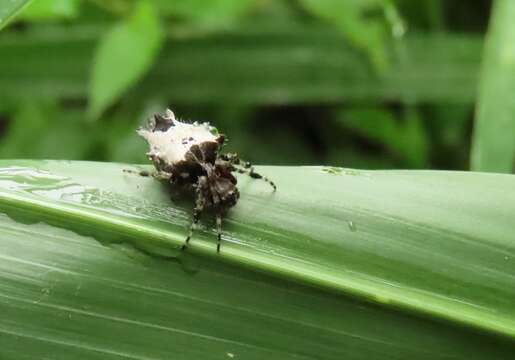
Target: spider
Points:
(188, 156)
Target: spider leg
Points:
(256, 175)
(161, 175)
(245, 167)
(158, 175)
(197, 211)
(215, 197)
(216, 201)
(231, 157)
(140, 173)
(218, 231)
(235, 160)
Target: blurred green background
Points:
(354, 83)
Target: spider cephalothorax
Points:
(188, 156)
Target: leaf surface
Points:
(342, 257)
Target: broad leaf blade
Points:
(376, 235)
(66, 294)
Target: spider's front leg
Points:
(250, 172)
(216, 201)
(245, 167)
(200, 203)
(218, 231)
(158, 175)
(234, 159)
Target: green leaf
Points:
(342, 258)
(304, 69)
(124, 55)
(405, 138)
(352, 18)
(40, 130)
(494, 134)
(9, 8)
(51, 10)
(207, 14)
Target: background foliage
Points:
(367, 84)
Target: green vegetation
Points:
(339, 263)
(364, 84)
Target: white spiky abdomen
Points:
(172, 145)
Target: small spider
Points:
(188, 156)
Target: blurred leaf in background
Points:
(404, 138)
(9, 8)
(494, 134)
(42, 131)
(361, 21)
(47, 10)
(123, 56)
(214, 14)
